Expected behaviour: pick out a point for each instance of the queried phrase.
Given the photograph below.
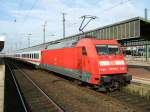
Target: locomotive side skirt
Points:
(68, 72)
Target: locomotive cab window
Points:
(84, 51)
(107, 49)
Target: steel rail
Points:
(18, 90)
(49, 99)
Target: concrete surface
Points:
(141, 80)
(140, 71)
(138, 63)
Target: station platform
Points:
(138, 63)
(140, 71)
(2, 77)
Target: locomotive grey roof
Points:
(132, 28)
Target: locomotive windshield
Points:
(107, 49)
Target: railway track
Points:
(71, 97)
(24, 107)
(38, 96)
(134, 103)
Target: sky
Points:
(18, 18)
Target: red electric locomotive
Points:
(99, 63)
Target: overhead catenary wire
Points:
(27, 15)
(33, 5)
(36, 1)
(19, 30)
(122, 2)
(116, 5)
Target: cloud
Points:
(30, 21)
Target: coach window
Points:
(34, 55)
(84, 51)
(37, 55)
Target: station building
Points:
(133, 35)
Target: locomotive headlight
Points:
(104, 63)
